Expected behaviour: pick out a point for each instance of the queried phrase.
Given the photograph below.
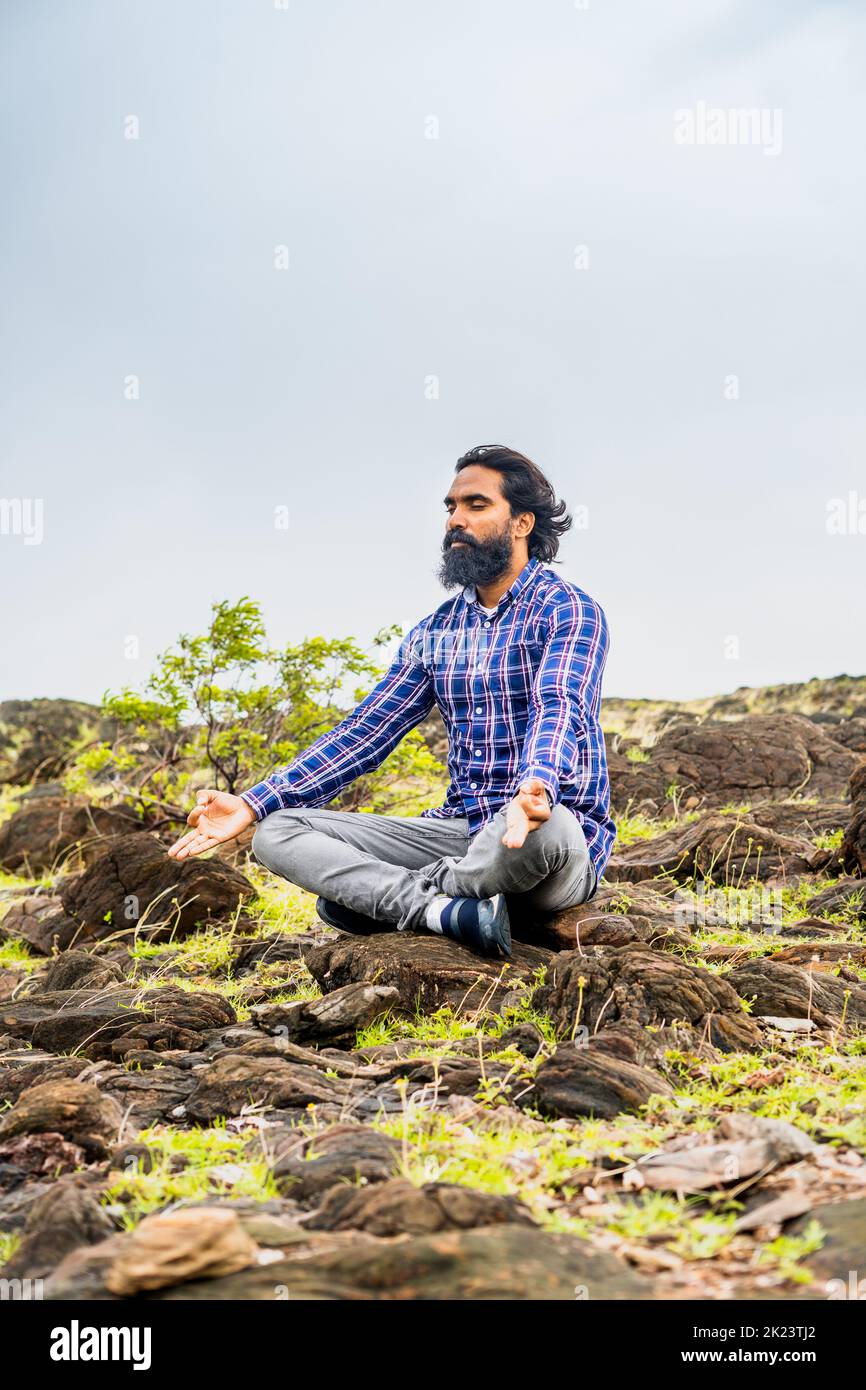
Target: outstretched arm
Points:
(358, 744)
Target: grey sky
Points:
(411, 258)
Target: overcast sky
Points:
(499, 226)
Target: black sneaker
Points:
(345, 919)
(482, 924)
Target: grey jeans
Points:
(390, 867)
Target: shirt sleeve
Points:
(359, 743)
(564, 742)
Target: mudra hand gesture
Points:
(216, 818)
(528, 809)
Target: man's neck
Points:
(490, 594)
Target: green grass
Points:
(278, 905)
(786, 1252)
(636, 754)
(14, 955)
(205, 959)
(215, 1163)
(684, 1225)
(542, 1169)
(513, 1159)
(9, 1243)
(831, 839)
(447, 1026)
(822, 1090)
(634, 826)
(10, 802)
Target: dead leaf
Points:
(750, 1145)
(775, 1212)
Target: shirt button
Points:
(473, 785)
(478, 752)
(487, 624)
(477, 709)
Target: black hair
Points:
(526, 489)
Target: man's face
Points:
(479, 534)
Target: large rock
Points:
(309, 1165)
(716, 762)
(847, 895)
(147, 1096)
(514, 1263)
(803, 819)
(853, 849)
(19, 1071)
(75, 970)
(650, 908)
(335, 1018)
(584, 1080)
(28, 1157)
(234, 1082)
(851, 733)
(636, 787)
(428, 971)
(762, 757)
(579, 926)
(61, 1220)
(135, 887)
(651, 988)
(786, 991)
(275, 947)
(400, 1208)
(618, 913)
(48, 831)
(719, 849)
(38, 737)
(41, 924)
(628, 1041)
(165, 1250)
(104, 1023)
(175, 1246)
(74, 1109)
(821, 954)
(16, 1204)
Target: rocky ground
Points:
(207, 1094)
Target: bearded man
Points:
(514, 664)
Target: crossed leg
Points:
(390, 867)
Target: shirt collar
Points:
(527, 574)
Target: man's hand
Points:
(217, 817)
(529, 809)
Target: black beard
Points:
(476, 562)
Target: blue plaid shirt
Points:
(519, 693)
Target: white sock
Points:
(434, 912)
